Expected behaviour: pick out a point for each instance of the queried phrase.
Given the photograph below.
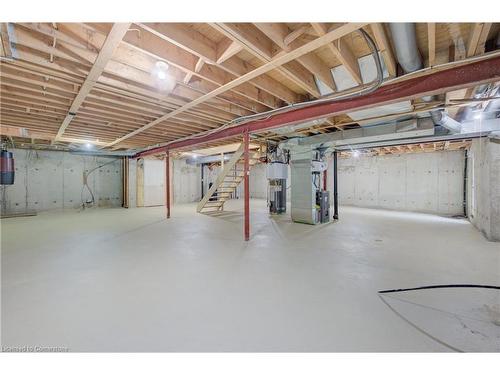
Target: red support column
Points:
(246, 141)
(167, 183)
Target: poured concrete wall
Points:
(47, 180)
(483, 181)
(424, 182)
(186, 182)
(132, 182)
(258, 181)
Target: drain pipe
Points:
(408, 55)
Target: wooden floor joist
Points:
(216, 73)
(112, 41)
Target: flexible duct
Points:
(405, 43)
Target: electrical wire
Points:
(440, 287)
(388, 291)
(86, 185)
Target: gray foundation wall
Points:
(185, 180)
(483, 185)
(47, 180)
(423, 182)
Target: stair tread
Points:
(230, 181)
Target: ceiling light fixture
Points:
(160, 70)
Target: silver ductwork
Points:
(440, 117)
(413, 128)
(405, 43)
(492, 109)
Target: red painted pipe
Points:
(469, 75)
(246, 171)
(167, 184)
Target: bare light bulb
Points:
(162, 74)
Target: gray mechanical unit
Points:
(277, 174)
(323, 202)
(310, 204)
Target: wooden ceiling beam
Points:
(5, 42)
(297, 33)
(473, 42)
(142, 43)
(483, 38)
(475, 46)
(139, 76)
(277, 32)
(385, 47)
(112, 41)
(316, 66)
(273, 64)
(226, 49)
(261, 47)
(197, 44)
(342, 52)
(431, 41)
(16, 131)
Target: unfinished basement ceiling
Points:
(148, 75)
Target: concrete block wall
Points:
(47, 180)
(424, 182)
(483, 186)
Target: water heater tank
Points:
(6, 168)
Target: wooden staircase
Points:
(227, 181)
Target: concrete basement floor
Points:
(127, 280)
